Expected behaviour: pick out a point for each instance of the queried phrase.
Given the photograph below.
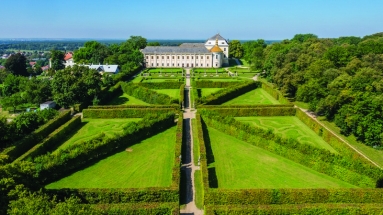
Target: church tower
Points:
(222, 44)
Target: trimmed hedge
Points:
(53, 166)
(245, 106)
(203, 154)
(123, 112)
(161, 85)
(109, 93)
(36, 136)
(331, 209)
(115, 196)
(215, 84)
(292, 196)
(257, 111)
(147, 95)
(348, 169)
(53, 139)
(275, 93)
(182, 95)
(176, 171)
(153, 208)
(174, 106)
(227, 94)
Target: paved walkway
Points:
(313, 116)
(188, 161)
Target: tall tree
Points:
(16, 64)
(92, 52)
(57, 59)
(235, 49)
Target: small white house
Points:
(48, 104)
(111, 69)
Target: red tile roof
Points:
(68, 56)
(32, 63)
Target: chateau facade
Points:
(213, 53)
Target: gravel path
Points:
(187, 160)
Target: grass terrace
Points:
(145, 164)
(208, 91)
(254, 97)
(125, 99)
(174, 93)
(92, 127)
(239, 165)
(288, 127)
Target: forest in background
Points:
(340, 78)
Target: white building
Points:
(68, 58)
(110, 69)
(213, 53)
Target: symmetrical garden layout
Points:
(256, 152)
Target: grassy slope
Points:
(374, 154)
(288, 126)
(254, 97)
(208, 91)
(125, 99)
(240, 165)
(148, 165)
(174, 93)
(92, 127)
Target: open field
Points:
(374, 154)
(125, 99)
(254, 97)
(288, 127)
(208, 91)
(174, 93)
(239, 165)
(149, 164)
(92, 127)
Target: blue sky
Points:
(196, 19)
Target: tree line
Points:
(340, 78)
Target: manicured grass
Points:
(240, 165)
(92, 127)
(162, 80)
(174, 93)
(125, 99)
(244, 62)
(164, 70)
(219, 79)
(209, 70)
(288, 127)
(254, 97)
(302, 105)
(195, 142)
(374, 154)
(208, 91)
(198, 189)
(149, 164)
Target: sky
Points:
(193, 19)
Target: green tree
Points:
(37, 90)
(16, 64)
(235, 49)
(153, 44)
(12, 84)
(304, 37)
(13, 101)
(57, 60)
(92, 52)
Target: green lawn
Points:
(149, 164)
(374, 154)
(198, 189)
(289, 127)
(92, 127)
(125, 99)
(209, 70)
(174, 93)
(239, 165)
(163, 70)
(208, 91)
(254, 97)
(218, 79)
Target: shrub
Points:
(147, 95)
(123, 112)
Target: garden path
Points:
(187, 161)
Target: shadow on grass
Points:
(212, 175)
(118, 100)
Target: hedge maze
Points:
(275, 159)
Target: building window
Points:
(201, 57)
(178, 64)
(152, 64)
(182, 57)
(196, 64)
(192, 57)
(224, 49)
(162, 64)
(173, 57)
(216, 64)
(167, 57)
(222, 43)
(147, 57)
(173, 64)
(168, 64)
(157, 64)
(178, 57)
(216, 57)
(207, 57)
(162, 57)
(187, 57)
(157, 57)
(152, 57)
(207, 64)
